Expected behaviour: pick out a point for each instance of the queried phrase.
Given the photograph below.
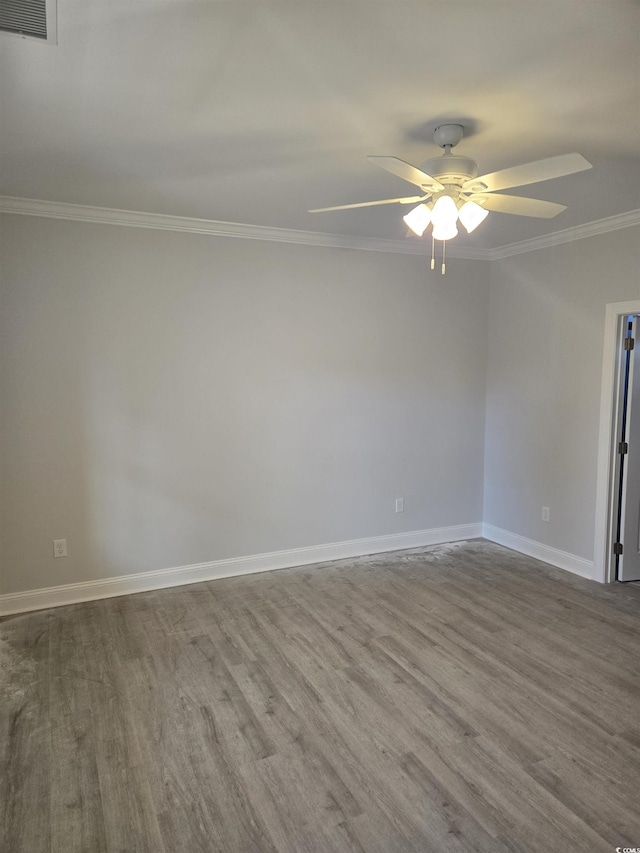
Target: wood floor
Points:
(459, 698)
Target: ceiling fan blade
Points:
(531, 173)
(520, 206)
(414, 199)
(407, 172)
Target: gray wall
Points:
(169, 398)
(546, 333)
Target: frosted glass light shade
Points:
(444, 213)
(418, 219)
(444, 217)
(445, 231)
(471, 215)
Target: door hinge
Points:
(623, 447)
(617, 549)
(629, 343)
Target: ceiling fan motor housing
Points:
(451, 169)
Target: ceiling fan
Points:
(452, 191)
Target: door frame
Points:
(603, 560)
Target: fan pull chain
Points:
(433, 253)
(444, 254)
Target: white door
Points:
(629, 560)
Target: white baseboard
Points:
(73, 593)
(560, 559)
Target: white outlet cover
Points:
(59, 547)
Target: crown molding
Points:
(140, 219)
(568, 235)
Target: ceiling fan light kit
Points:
(452, 189)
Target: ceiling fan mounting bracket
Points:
(448, 135)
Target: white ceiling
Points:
(253, 112)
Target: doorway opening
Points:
(617, 528)
(626, 534)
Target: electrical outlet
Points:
(59, 547)
(399, 504)
(546, 513)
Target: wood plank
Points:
(77, 818)
(25, 762)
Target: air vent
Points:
(29, 19)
